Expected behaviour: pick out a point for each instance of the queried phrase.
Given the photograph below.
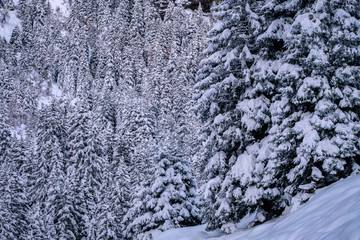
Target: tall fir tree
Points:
(314, 134)
(49, 193)
(13, 213)
(232, 107)
(167, 199)
(272, 100)
(86, 167)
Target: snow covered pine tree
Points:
(233, 107)
(167, 199)
(279, 112)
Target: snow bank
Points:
(188, 233)
(333, 213)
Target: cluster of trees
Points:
(76, 184)
(278, 97)
(98, 136)
(95, 108)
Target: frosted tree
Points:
(232, 106)
(61, 216)
(286, 108)
(314, 132)
(18, 202)
(86, 166)
(115, 197)
(48, 191)
(167, 199)
(114, 193)
(137, 127)
(13, 204)
(133, 57)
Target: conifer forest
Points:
(121, 118)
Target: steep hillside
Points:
(90, 94)
(332, 213)
(123, 118)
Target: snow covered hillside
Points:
(333, 213)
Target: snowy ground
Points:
(332, 214)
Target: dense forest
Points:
(120, 118)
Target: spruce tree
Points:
(167, 199)
(278, 105)
(13, 202)
(314, 135)
(114, 194)
(49, 192)
(137, 127)
(232, 107)
(85, 167)
(133, 57)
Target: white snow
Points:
(309, 22)
(309, 83)
(20, 132)
(188, 233)
(60, 6)
(318, 57)
(243, 168)
(289, 70)
(217, 26)
(327, 148)
(56, 91)
(46, 99)
(9, 25)
(332, 213)
(345, 19)
(276, 29)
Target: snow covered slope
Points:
(333, 213)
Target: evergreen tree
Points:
(86, 167)
(314, 135)
(232, 107)
(114, 199)
(13, 205)
(137, 128)
(167, 199)
(275, 103)
(114, 195)
(133, 58)
(49, 192)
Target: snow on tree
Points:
(86, 167)
(278, 119)
(133, 58)
(48, 190)
(315, 122)
(167, 199)
(137, 130)
(18, 201)
(114, 195)
(13, 201)
(233, 107)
